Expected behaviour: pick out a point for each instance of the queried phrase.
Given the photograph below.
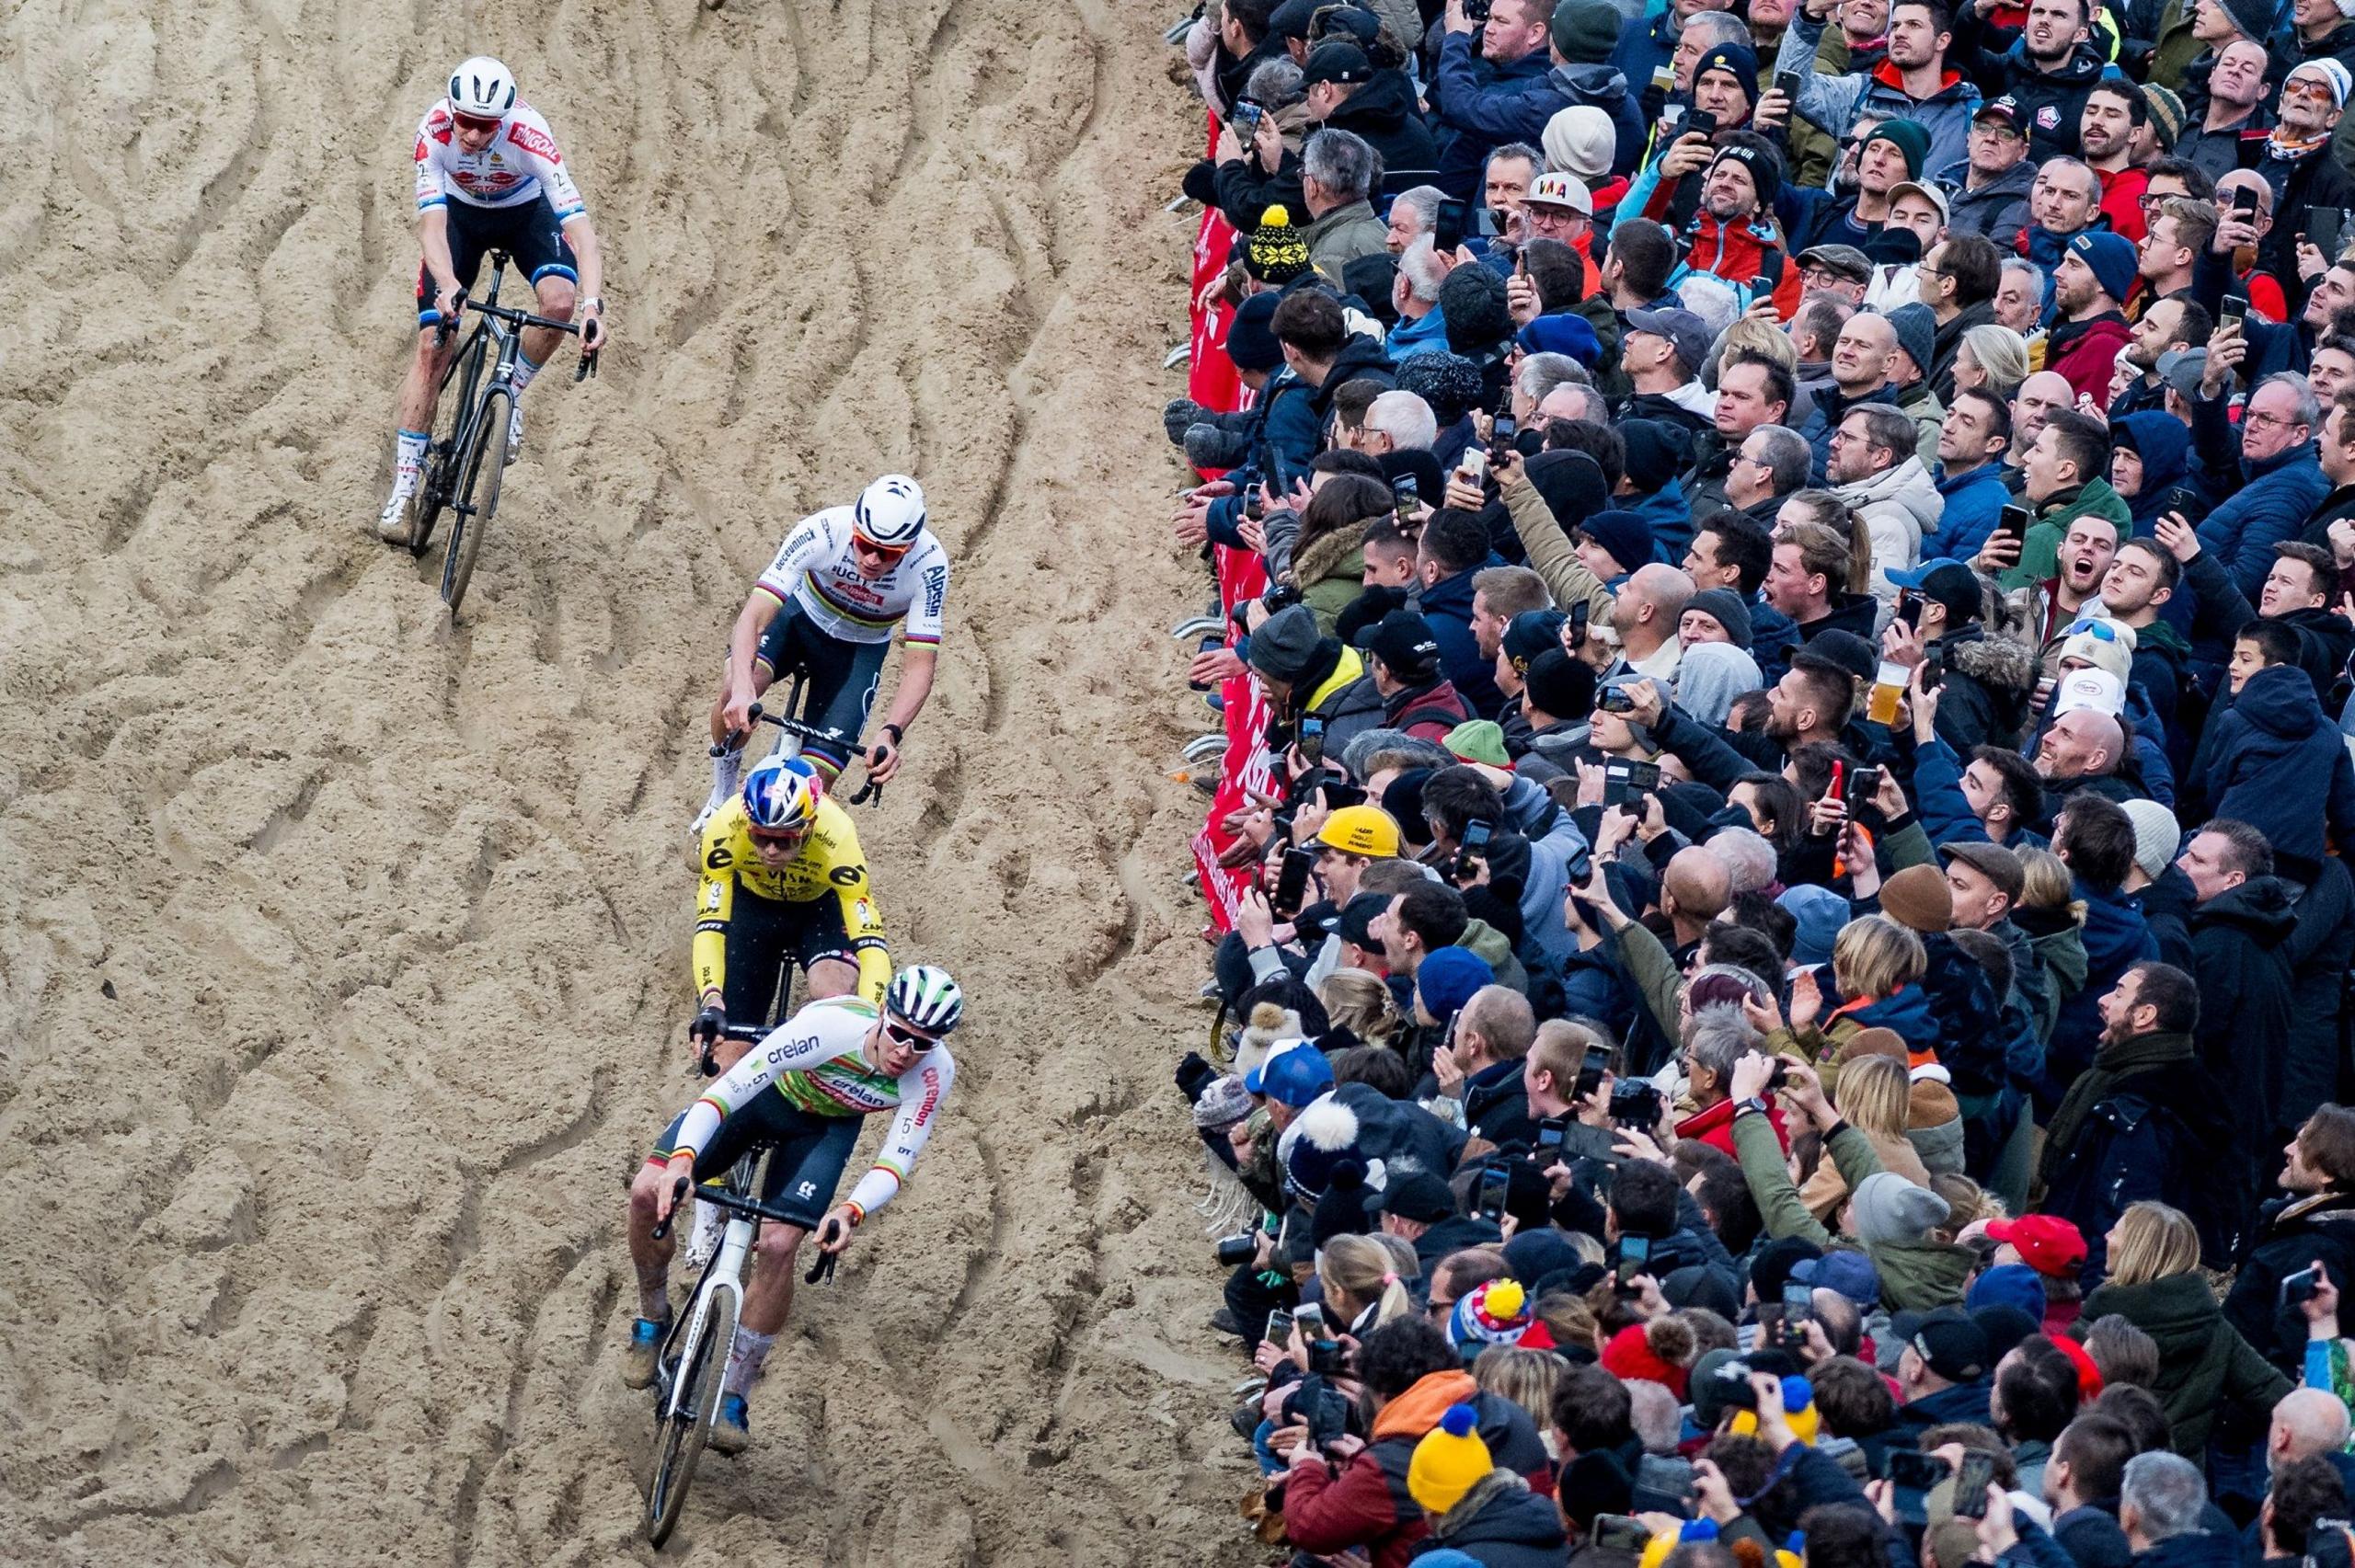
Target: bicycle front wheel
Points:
(679, 1439)
(477, 498)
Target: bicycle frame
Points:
(726, 1276)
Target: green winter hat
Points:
(1910, 141)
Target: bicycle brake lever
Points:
(678, 1196)
(822, 1271)
(587, 367)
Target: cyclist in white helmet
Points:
(826, 606)
(489, 176)
(805, 1089)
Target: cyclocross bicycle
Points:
(693, 1363)
(464, 465)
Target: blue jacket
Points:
(2117, 937)
(2164, 447)
(1975, 503)
(1480, 106)
(2274, 500)
(1834, 104)
(1414, 337)
(1829, 409)
(2274, 761)
(1774, 638)
(1670, 516)
(1645, 43)
(1447, 605)
(1945, 810)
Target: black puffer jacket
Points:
(2294, 1231)
(1989, 683)
(2240, 956)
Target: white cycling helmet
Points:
(482, 88)
(927, 998)
(889, 512)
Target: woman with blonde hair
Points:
(1993, 359)
(1357, 1000)
(1874, 1095)
(2204, 1365)
(1364, 1288)
(1528, 1378)
(1877, 965)
(2054, 919)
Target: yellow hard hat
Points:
(1363, 830)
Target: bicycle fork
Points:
(727, 1273)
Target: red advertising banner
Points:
(1245, 762)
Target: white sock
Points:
(727, 772)
(408, 461)
(744, 1358)
(524, 372)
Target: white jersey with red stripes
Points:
(521, 164)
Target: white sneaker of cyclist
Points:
(711, 1224)
(398, 523)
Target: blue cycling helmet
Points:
(781, 795)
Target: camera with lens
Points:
(1634, 1103)
(1733, 1386)
(1235, 1251)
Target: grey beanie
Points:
(1917, 334)
(1285, 643)
(1887, 1210)
(1724, 606)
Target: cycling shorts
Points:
(812, 1151)
(527, 232)
(764, 933)
(843, 677)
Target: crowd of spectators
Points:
(1783, 634)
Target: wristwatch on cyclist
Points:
(899, 735)
(593, 302)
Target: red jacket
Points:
(2085, 354)
(1325, 1512)
(1714, 1127)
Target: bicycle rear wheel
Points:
(478, 495)
(679, 1439)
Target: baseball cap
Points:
(1849, 1273)
(1360, 829)
(2096, 689)
(1845, 259)
(2046, 1242)
(1403, 640)
(1356, 924)
(1421, 1196)
(1948, 583)
(1685, 332)
(2182, 369)
(1947, 1340)
(1559, 189)
(1295, 1074)
(2006, 109)
(1336, 59)
(1924, 190)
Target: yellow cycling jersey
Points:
(830, 862)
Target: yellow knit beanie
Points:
(1450, 1462)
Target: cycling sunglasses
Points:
(906, 1036)
(2101, 631)
(468, 122)
(787, 838)
(886, 554)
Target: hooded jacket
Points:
(1606, 87)
(1901, 507)
(2116, 936)
(2292, 1231)
(1479, 106)
(1997, 209)
(1914, 1276)
(2053, 102)
(2203, 1362)
(2164, 446)
(2040, 551)
(1501, 1523)
(1836, 103)
(1367, 1503)
(2272, 758)
(1989, 683)
(1382, 112)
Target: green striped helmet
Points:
(927, 998)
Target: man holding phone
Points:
(1478, 1073)
(1915, 86)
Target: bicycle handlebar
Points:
(721, 1198)
(518, 317)
(867, 789)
